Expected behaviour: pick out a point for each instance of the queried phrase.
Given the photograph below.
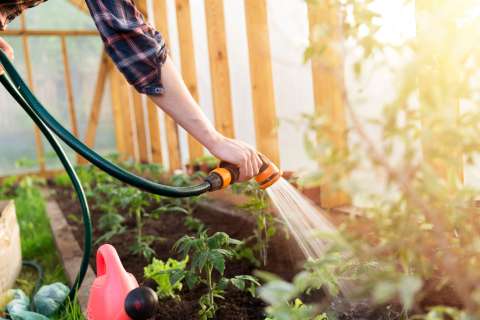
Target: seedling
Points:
(167, 275)
(258, 206)
(208, 255)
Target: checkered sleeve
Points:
(136, 48)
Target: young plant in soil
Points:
(207, 266)
(167, 275)
(136, 202)
(265, 227)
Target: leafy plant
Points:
(208, 255)
(168, 276)
(258, 206)
(135, 202)
(419, 217)
(282, 297)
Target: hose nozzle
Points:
(227, 174)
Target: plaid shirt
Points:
(137, 49)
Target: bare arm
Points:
(182, 107)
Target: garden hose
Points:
(72, 175)
(40, 275)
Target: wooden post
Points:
(28, 66)
(128, 116)
(140, 124)
(262, 79)
(187, 59)
(152, 109)
(94, 117)
(173, 142)
(117, 114)
(219, 69)
(327, 73)
(69, 87)
(439, 103)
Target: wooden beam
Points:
(50, 33)
(188, 65)
(128, 117)
(154, 126)
(94, 117)
(328, 86)
(173, 141)
(262, 79)
(117, 114)
(69, 87)
(47, 174)
(28, 66)
(219, 69)
(152, 109)
(140, 124)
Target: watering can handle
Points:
(108, 261)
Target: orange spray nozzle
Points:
(227, 173)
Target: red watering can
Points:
(115, 294)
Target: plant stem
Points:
(138, 216)
(210, 285)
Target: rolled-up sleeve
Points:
(136, 48)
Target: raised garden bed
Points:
(217, 216)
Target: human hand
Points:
(7, 49)
(238, 153)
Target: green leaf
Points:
(218, 261)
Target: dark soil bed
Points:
(168, 229)
(284, 259)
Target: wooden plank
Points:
(47, 174)
(127, 114)
(328, 86)
(188, 65)
(69, 87)
(173, 142)
(141, 126)
(261, 79)
(94, 117)
(152, 109)
(154, 127)
(437, 110)
(117, 103)
(219, 69)
(50, 33)
(28, 66)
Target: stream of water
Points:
(303, 219)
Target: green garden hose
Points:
(49, 126)
(72, 175)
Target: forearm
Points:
(182, 107)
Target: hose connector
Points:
(227, 174)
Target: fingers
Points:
(7, 48)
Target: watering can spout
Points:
(110, 288)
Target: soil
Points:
(236, 305)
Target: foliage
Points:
(208, 256)
(420, 221)
(282, 297)
(168, 276)
(208, 160)
(258, 206)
